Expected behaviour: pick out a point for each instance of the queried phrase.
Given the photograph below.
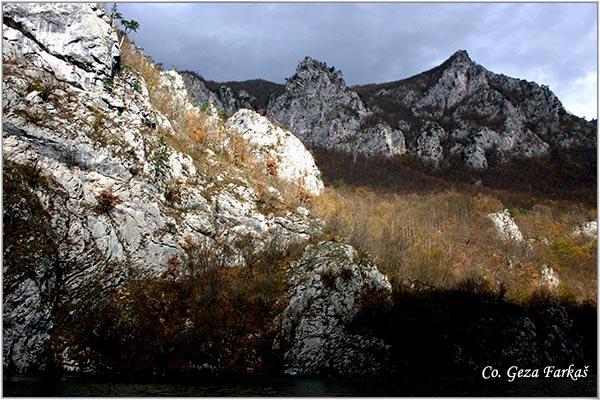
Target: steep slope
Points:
(461, 109)
(322, 111)
(116, 184)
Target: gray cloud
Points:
(550, 43)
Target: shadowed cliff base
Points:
(458, 332)
(440, 341)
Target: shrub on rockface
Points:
(106, 201)
(202, 316)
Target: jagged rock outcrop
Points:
(484, 117)
(589, 229)
(322, 111)
(506, 226)
(231, 102)
(429, 147)
(94, 193)
(549, 277)
(77, 44)
(327, 288)
(285, 155)
(198, 91)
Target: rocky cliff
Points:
(101, 188)
(285, 155)
(134, 218)
(327, 284)
(460, 109)
(322, 111)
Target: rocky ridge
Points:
(458, 112)
(95, 193)
(230, 96)
(480, 116)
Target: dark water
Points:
(304, 387)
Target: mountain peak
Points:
(460, 56)
(311, 63)
(311, 69)
(308, 60)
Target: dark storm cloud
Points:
(553, 44)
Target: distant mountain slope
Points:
(458, 112)
(461, 109)
(233, 95)
(258, 89)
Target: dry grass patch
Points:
(230, 155)
(445, 239)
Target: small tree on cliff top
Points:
(129, 25)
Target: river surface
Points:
(298, 387)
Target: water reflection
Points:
(304, 387)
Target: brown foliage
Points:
(202, 316)
(446, 240)
(271, 164)
(107, 201)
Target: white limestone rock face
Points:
(380, 139)
(484, 115)
(76, 43)
(589, 229)
(327, 285)
(475, 157)
(173, 83)
(549, 277)
(454, 84)
(282, 150)
(93, 195)
(198, 90)
(429, 147)
(506, 226)
(322, 111)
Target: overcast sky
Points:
(554, 44)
